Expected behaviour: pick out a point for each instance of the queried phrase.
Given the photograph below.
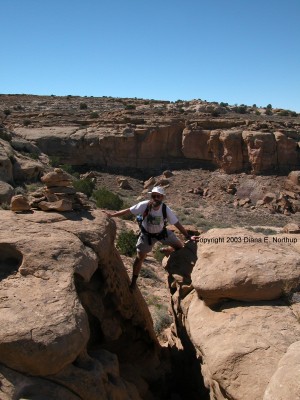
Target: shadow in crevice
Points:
(10, 260)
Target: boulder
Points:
(58, 205)
(58, 177)
(241, 346)
(19, 203)
(62, 286)
(243, 265)
(285, 383)
(26, 169)
(6, 192)
(291, 228)
(294, 177)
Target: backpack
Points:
(161, 235)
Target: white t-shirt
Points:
(154, 221)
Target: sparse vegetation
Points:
(94, 115)
(4, 135)
(147, 272)
(130, 107)
(126, 243)
(85, 186)
(4, 206)
(54, 161)
(107, 199)
(83, 106)
(162, 320)
(265, 231)
(6, 112)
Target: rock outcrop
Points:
(236, 314)
(231, 150)
(69, 326)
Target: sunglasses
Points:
(156, 196)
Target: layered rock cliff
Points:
(139, 134)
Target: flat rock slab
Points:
(243, 265)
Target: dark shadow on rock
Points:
(10, 260)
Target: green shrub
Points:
(158, 255)
(85, 186)
(54, 161)
(163, 320)
(106, 199)
(94, 115)
(5, 135)
(283, 113)
(83, 106)
(7, 112)
(148, 273)
(242, 109)
(126, 243)
(269, 111)
(4, 206)
(26, 122)
(67, 168)
(130, 107)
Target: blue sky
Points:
(235, 51)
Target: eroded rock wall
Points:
(69, 326)
(228, 145)
(237, 311)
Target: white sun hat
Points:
(158, 189)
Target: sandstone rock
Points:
(150, 182)
(26, 169)
(268, 198)
(6, 192)
(44, 327)
(24, 145)
(19, 203)
(243, 265)
(60, 190)
(285, 383)
(19, 386)
(261, 148)
(294, 177)
(291, 228)
(168, 174)
(58, 177)
(124, 184)
(287, 151)
(244, 202)
(6, 168)
(58, 276)
(212, 142)
(240, 346)
(59, 205)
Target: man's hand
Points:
(108, 213)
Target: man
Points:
(153, 228)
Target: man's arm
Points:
(118, 213)
(182, 230)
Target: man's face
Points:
(157, 199)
